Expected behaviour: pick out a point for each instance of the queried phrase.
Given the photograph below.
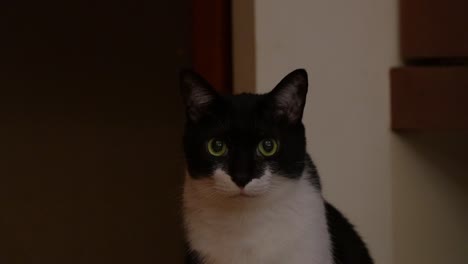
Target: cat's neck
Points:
(247, 230)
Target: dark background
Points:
(90, 126)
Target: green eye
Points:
(268, 147)
(217, 147)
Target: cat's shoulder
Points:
(347, 245)
(192, 257)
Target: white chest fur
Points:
(287, 225)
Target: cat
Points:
(252, 194)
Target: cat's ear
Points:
(197, 93)
(289, 96)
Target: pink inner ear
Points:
(199, 102)
(289, 103)
(200, 98)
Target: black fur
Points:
(242, 121)
(348, 247)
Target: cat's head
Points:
(244, 145)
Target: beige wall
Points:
(381, 181)
(430, 194)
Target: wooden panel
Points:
(212, 42)
(434, 29)
(429, 98)
(243, 46)
(91, 122)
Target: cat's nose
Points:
(241, 180)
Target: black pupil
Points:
(267, 145)
(217, 145)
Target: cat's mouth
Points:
(243, 193)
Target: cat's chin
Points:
(242, 194)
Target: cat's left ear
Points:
(197, 93)
(289, 96)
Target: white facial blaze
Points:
(259, 186)
(224, 185)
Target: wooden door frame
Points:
(211, 42)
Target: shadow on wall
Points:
(430, 190)
(445, 153)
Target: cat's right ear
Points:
(289, 96)
(197, 93)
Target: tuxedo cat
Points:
(252, 194)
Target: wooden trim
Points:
(211, 34)
(433, 29)
(429, 98)
(243, 32)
